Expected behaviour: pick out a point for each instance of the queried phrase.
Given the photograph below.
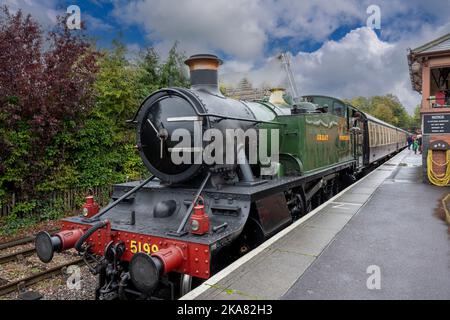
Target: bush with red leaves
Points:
(46, 87)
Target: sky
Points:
(334, 50)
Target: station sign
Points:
(436, 123)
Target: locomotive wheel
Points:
(335, 188)
(185, 284)
(249, 239)
(330, 192)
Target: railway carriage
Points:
(383, 139)
(159, 237)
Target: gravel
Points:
(57, 288)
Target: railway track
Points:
(21, 284)
(17, 256)
(15, 243)
(21, 241)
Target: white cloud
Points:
(237, 28)
(316, 19)
(42, 11)
(359, 64)
(246, 33)
(95, 24)
(242, 29)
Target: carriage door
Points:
(357, 132)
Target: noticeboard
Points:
(436, 123)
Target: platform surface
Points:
(387, 221)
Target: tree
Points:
(384, 113)
(103, 151)
(149, 73)
(400, 117)
(115, 86)
(63, 112)
(172, 71)
(387, 108)
(416, 120)
(46, 90)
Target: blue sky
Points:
(333, 50)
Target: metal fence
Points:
(67, 200)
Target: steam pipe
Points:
(246, 171)
(85, 236)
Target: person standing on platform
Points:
(410, 141)
(415, 145)
(419, 142)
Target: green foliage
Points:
(23, 214)
(24, 208)
(20, 217)
(52, 211)
(154, 74)
(172, 71)
(97, 149)
(148, 75)
(13, 223)
(387, 108)
(416, 120)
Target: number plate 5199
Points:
(138, 246)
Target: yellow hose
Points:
(440, 180)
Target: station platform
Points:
(388, 220)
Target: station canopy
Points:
(437, 47)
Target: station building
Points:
(429, 68)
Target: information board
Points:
(436, 123)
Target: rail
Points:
(22, 283)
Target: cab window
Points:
(339, 109)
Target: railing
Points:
(67, 200)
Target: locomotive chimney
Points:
(276, 96)
(204, 72)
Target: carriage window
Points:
(372, 134)
(376, 134)
(381, 135)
